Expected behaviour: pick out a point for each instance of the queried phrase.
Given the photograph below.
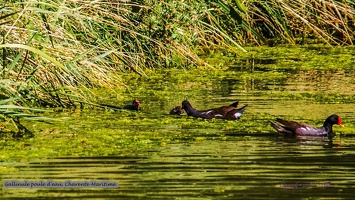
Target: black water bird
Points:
(230, 112)
(296, 128)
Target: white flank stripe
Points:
(237, 115)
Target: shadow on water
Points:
(252, 65)
(247, 167)
(197, 159)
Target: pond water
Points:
(241, 167)
(152, 155)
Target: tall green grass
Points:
(54, 52)
(290, 21)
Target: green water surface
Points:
(154, 155)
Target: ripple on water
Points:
(240, 167)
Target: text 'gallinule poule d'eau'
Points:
(225, 112)
(291, 127)
(177, 111)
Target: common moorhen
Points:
(133, 106)
(291, 127)
(177, 111)
(225, 112)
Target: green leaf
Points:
(34, 50)
(240, 5)
(224, 6)
(5, 101)
(235, 15)
(21, 108)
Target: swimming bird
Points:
(291, 127)
(224, 112)
(134, 106)
(177, 111)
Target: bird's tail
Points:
(240, 111)
(276, 126)
(235, 104)
(279, 128)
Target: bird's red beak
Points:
(340, 123)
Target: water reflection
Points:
(236, 165)
(248, 167)
(326, 142)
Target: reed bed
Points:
(54, 52)
(290, 21)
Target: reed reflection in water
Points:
(241, 167)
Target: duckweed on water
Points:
(306, 57)
(272, 89)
